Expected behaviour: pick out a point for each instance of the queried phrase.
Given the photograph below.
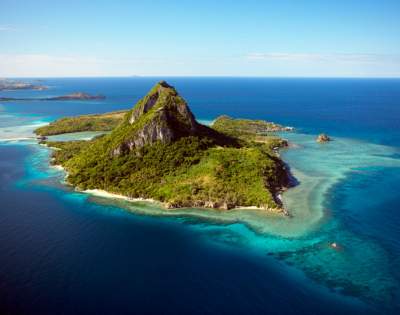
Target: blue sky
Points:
(342, 38)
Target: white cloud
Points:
(4, 28)
(43, 65)
(253, 64)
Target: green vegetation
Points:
(249, 130)
(246, 127)
(97, 122)
(64, 150)
(159, 151)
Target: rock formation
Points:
(322, 138)
(162, 115)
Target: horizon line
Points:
(199, 76)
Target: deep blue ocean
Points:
(65, 252)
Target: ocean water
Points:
(64, 252)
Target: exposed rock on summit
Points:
(162, 115)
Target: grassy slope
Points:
(98, 122)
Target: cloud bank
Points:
(252, 64)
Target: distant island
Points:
(158, 151)
(70, 97)
(77, 96)
(10, 85)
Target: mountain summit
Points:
(161, 116)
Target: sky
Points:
(271, 38)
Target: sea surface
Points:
(65, 252)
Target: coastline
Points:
(105, 194)
(302, 204)
(282, 211)
(305, 201)
(166, 206)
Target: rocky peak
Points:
(162, 97)
(162, 115)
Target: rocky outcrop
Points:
(150, 133)
(322, 138)
(162, 116)
(167, 104)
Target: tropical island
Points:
(77, 96)
(158, 151)
(70, 97)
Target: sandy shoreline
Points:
(163, 205)
(106, 194)
(58, 167)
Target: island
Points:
(76, 96)
(159, 151)
(10, 85)
(70, 97)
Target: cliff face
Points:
(168, 104)
(162, 115)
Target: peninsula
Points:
(96, 122)
(158, 150)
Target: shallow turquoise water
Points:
(303, 240)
